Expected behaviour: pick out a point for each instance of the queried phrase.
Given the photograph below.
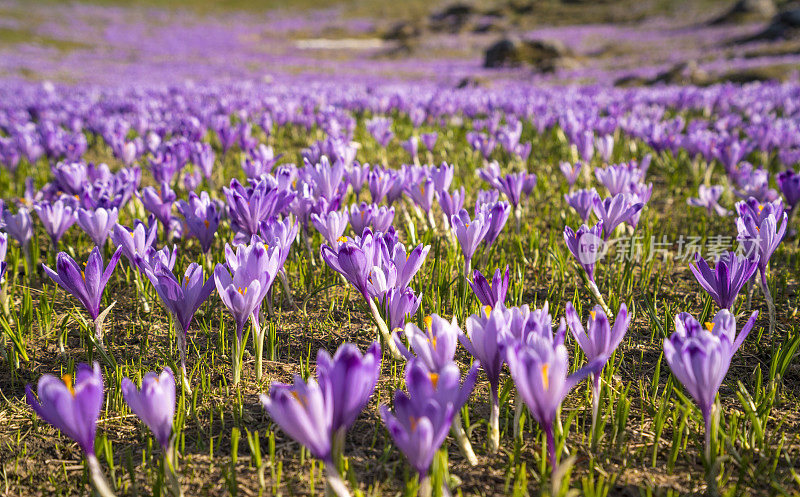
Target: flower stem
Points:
(258, 342)
(98, 480)
(494, 424)
(184, 375)
(768, 298)
(335, 485)
(457, 429)
(425, 487)
(596, 390)
(237, 359)
(518, 407)
(384, 330)
(599, 298)
(551, 447)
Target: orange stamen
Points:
(67, 378)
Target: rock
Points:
(687, 73)
(453, 18)
(403, 31)
(747, 11)
(784, 26)
(545, 55)
(491, 24)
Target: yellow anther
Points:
(593, 314)
(434, 380)
(67, 379)
(545, 377)
(710, 327)
(487, 309)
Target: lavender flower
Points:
(708, 198)
(539, 369)
(598, 341)
(202, 218)
(56, 217)
(724, 282)
(153, 403)
(700, 357)
(469, 233)
(613, 211)
(487, 294)
(582, 201)
(87, 285)
(98, 223)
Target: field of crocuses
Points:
(397, 287)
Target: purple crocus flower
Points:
(181, 298)
(419, 425)
(134, 242)
(469, 233)
(3, 250)
(400, 305)
(352, 260)
(56, 217)
(700, 357)
(429, 140)
(98, 223)
(240, 289)
(356, 175)
(760, 240)
(435, 345)
(598, 341)
(366, 215)
(539, 369)
(153, 403)
(87, 285)
(412, 147)
(758, 211)
(493, 294)
(483, 341)
(586, 245)
(724, 282)
(158, 202)
(203, 157)
(71, 407)
(789, 183)
(381, 129)
(19, 225)
(582, 201)
(497, 215)
(407, 263)
(444, 385)
(70, 177)
(202, 218)
(513, 185)
(422, 193)
(616, 210)
(153, 257)
(571, 172)
(248, 206)
(331, 226)
(380, 182)
(304, 411)
(352, 378)
(618, 178)
(708, 198)
(451, 203)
